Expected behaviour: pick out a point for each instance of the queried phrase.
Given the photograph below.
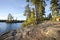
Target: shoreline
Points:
(37, 32)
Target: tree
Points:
(27, 11)
(49, 16)
(39, 7)
(54, 8)
(10, 17)
(59, 5)
(33, 18)
(33, 13)
(28, 15)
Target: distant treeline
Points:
(12, 21)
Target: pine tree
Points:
(33, 18)
(59, 6)
(10, 17)
(39, 7)
(54, 8)
(27, 11)
(49, 16)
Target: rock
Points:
(53, 32)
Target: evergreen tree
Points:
(10, 17)
(33, 18)
(59, 6)
(33, 13)
(27, 11)
(49, 16)
(39, 7)
(54, 8)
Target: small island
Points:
(10, 19)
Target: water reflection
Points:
(9, 27)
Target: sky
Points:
(16, 8)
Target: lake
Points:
(5, 27)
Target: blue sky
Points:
(16, 8)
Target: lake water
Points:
(5, 27)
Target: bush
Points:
(30, 21)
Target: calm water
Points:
(5, 27)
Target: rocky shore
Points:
(46, 30)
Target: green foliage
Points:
(27, 0)
(27, 11)
(49, 16)
(39, 7)
(31, 20)
(54, 9)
